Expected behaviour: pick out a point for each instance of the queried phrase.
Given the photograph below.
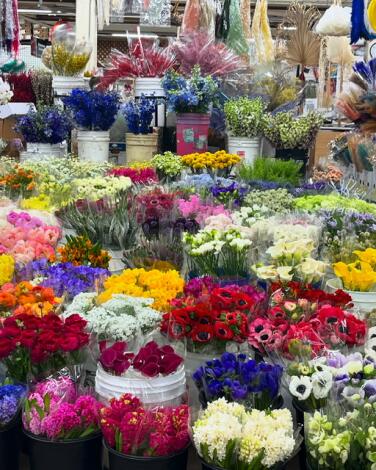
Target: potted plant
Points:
(45, 130)
(246, 119)
(137, 439)
(191, 98)
(11, 397)
(62, 425)
(146, 63)
(94, 112)
(292, 137)
(141, 140)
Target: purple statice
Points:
(10, 401)
(65, 278)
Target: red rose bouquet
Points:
(150, 361)
(209, 315)
(133, 430)
(36, 346)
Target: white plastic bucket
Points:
(39, 151)
(364, 302)
(152, 87)
(249, 149)
(93, 145)
(156, 391)
(63, 86)
(141, 148)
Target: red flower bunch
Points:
(151, 360)
(22, 88)
(32, 345)
(154, 204)
(133, 430)
(137, 175)
(217, 316)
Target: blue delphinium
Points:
(93, 110)
(10, 401)
(139, 114)
(65, 278)
(46, 125)
(238, 378)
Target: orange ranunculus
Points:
(7, 300)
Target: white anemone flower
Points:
(322, 383)
(300, 387)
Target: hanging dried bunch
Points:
(303, 45)
(41, 82)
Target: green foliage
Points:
(245, 117)
(269, 169)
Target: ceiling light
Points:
(30, 10)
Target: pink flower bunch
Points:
(55, 411)
(137, 175)
(195, 208)
(29, 238)
(151, 360)
(133, 430)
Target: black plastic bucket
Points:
(74, 454)
(11, 444)
(119, 461)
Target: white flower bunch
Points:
(248, 216)
(100, 187)
(5, 92)
(213, 241)
(227, 433)
(295, 232)
(119, 319)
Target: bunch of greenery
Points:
(270, 169)
(288, 132)
(245, 117)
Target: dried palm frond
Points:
(303, 45)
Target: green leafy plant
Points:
(245, 117)
(269, 169)
(288, 132)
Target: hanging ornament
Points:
(336, 21)
(363, 20)
(236, 39)
(262, 34)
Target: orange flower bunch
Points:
(18, 181)
(82, 251)
(24, 298)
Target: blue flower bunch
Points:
(227, 190)
(10, 401)
(238, 378)
(46, 125)
(65, 278)
(190, 95)
(139, 114)
(196, 182)
(93, 110)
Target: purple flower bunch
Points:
(93, 110)
(320, 187)
(226, 190)
(139, 114)
(65, 278)
(238, 378)
(47, 125)
(10, 401)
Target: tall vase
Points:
(192, 133)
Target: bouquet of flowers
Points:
(210, 316)
(143, 176)
(196, 208)
(25, 298)
(150, 361)
(229, 437)
(314, 203)
(157, 285)
(47, 125)
(229, 192)
(6, 269)
(190, 95)
(93, 110)
(278, 201)
(218, 252)
(54, 410)
(121, 318)
(130, 428)
(94, 189)
(81, 251)
(139, 115)
(245, 117)
(212, 162)
(11, 397)
(361, 275)
(40, 346)
(238, 378)
(18, 182)
(168, 165)
(155, 204)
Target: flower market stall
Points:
(202, 293)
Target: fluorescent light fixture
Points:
(30, 10)
(134, 35)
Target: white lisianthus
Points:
(300, 387)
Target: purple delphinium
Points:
(10, 400)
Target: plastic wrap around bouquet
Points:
(155, 374)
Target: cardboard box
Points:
(8, 117)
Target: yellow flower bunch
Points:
(155, 284)
(361, 275)
(40, 203)
(6, 269)
(140, 165)
(212, 161)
